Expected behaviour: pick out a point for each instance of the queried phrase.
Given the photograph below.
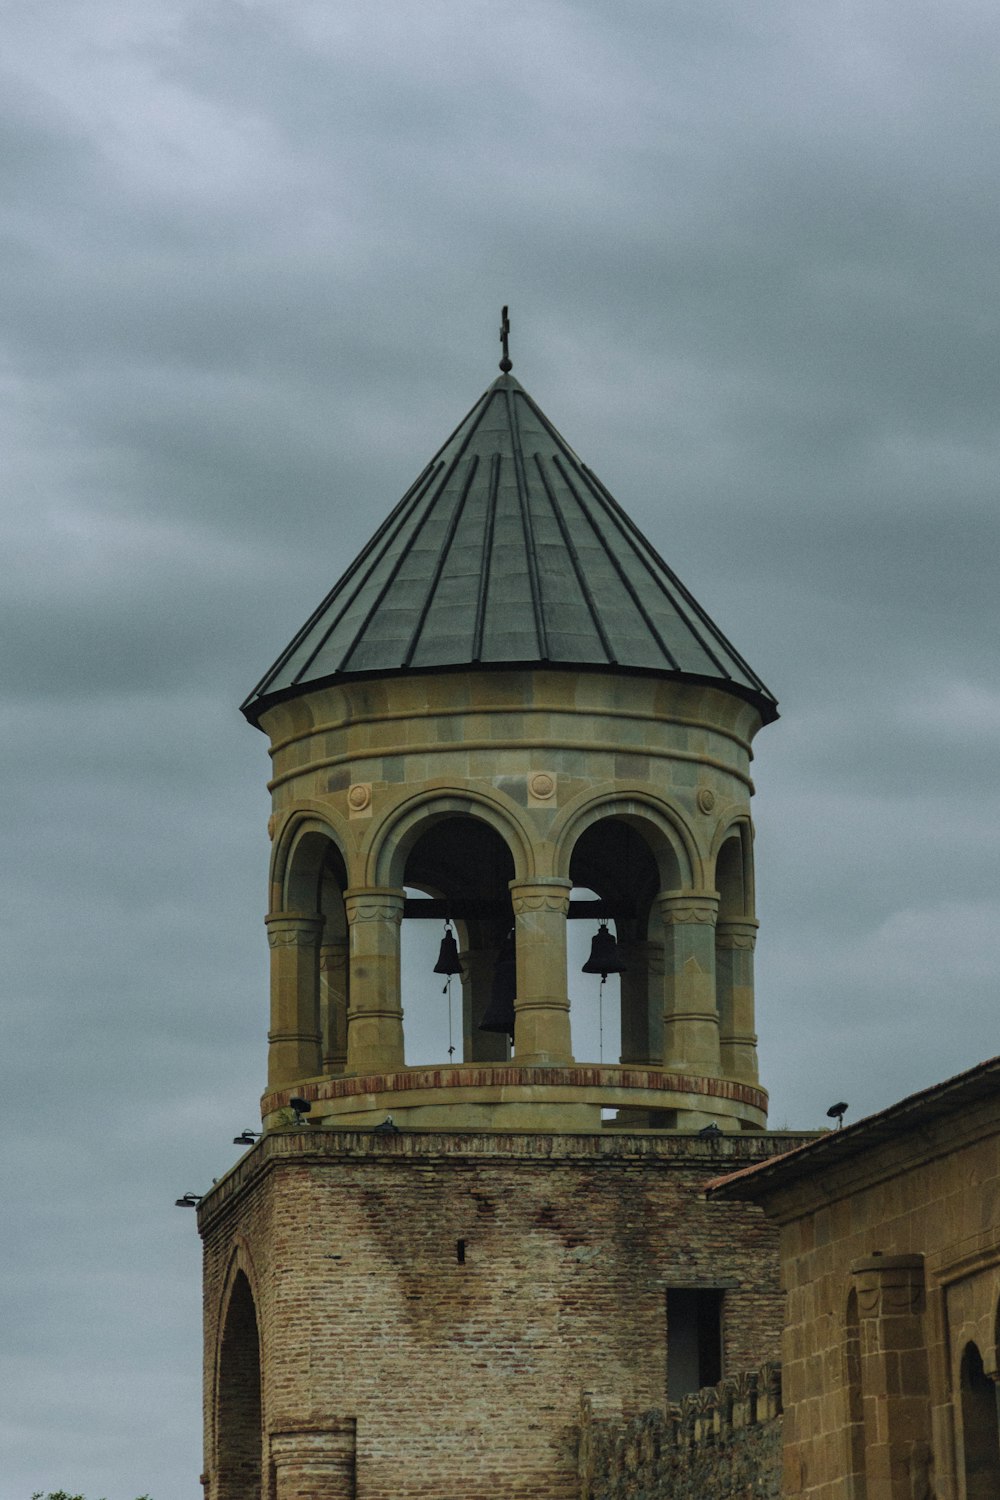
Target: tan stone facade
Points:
(509, 788)
(890, 1256)
(393, 1316)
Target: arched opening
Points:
(980, 1434)
(307, 933)
(458, 869)
(735, 937)
(239, 1428)
(857, 1487)
(615, 879)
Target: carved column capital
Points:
(679, 908)
(374, 904)
(889, 1286)
(737, 933)
(293, 929)
(541, 894)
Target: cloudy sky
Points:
(253, 255)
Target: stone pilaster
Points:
(735, 940)
(895, 1383)
(690, 1016)
(542, 1029)
(642, 1003)
(333, 1002)
(316, 1463)
(375, 1016)
(294, 1037)
(478, 967)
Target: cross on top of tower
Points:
(506, 363)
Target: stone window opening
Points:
(694, 1339)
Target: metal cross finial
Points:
(505, 364)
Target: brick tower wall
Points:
(448, 1298)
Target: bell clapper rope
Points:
(600, 1020)
(451, 1044)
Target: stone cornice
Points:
(294, 1147)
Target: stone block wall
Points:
(723, 1443)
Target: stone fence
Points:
(723, 1443)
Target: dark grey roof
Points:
(901, 1120)
(507, 551)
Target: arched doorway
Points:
(239, 1429)
(980, 1433)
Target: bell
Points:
(604, 956)
(448, 956)
(499, 1015)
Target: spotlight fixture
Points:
(189, 1200)
(387, 1127)
(301, 1108)
(837, 1112)
(709, 1132)
(246, 1137)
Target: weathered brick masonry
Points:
(431, 1307)
(723, 1443)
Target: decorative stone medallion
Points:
(541, 786)
(359, 799)
(705, 799)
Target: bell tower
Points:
(507, 715)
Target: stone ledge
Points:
(297, 1146)
(510, 1075)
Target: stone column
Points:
(642, 1003)
(690, 1017)
(375, 1017)
(317, 1464)
(294, 1037)
(541, 1026)
(734, 945)
(478, 966)
(333, 1001)
(895, 1383)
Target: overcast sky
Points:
(253, 256)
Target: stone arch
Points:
(732, 868)
(239, 1419)
(980, 1433)
(297, 861)
(735, 938)
(307, 935)
(662, 826)
(392, 839)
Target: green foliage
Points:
(65, 1495)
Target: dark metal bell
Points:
(604, 956)
(499, 1015)
(448, 962)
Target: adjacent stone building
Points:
(508, 714)
(890, 1260)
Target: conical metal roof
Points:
(507, 551)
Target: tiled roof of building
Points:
(507, 551)
(835, 1146)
